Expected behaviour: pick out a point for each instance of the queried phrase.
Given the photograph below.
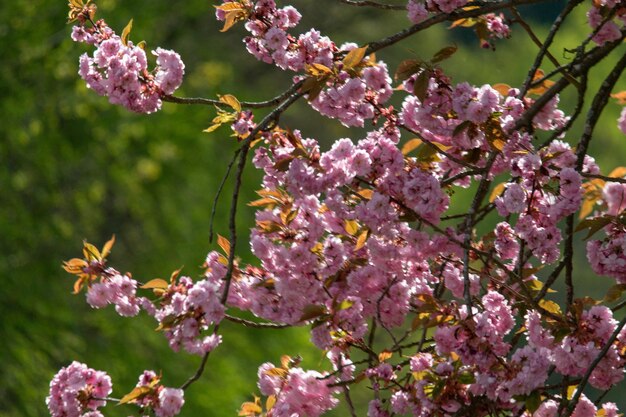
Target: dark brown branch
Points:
(198, 373)
(547, 43)
(443, 17)
(579, 66)
(597, 106)
(367, 3)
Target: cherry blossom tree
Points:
(361, 243)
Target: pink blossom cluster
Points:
(298, 392)
(166, 402)
(348, 98)
(187, 309)
(117, 289)
(118, 69)
(573, 354)
(303, 257)
(608, 256)
(608, 30)
(78, 390)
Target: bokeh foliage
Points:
(78, 168)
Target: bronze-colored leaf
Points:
(231, 101)
(106, 249)
(407, 68)
(354, 57)
(223, 243)
(444, 53)
(155, 283)
(360, 242)
(135, 394)
(126, 32)
(411, 145)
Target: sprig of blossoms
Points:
(78, 390)
(118, 69)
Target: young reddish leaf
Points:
(354, 57)
(360, 242)
(157, 283)
(550, 306)
(262, 202)
(467, 22)
(464, 125)
(384, 355)
(231, 101)
(312, 311)
(269, 403)
(250, 409)
(420, 87)
(594, 225)
(351, 227)
(407, 68)
(279, 372)
(620, 97)
(501, 88)
(90, 252)
(618, 172)
(231, 6)
(126, 32)
(497, 190)
(106, 249)
(444, 53)
(285, 361)
(614, 293)
(135, 394)
(78, 285)
(366, 193)
(224, 244)
(411, 145)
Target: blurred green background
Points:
(78, 168)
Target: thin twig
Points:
(219, 192)
(257, 325)
(245, 104)
(547, 43)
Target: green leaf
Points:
(533, 401)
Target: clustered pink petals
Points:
(77, 390)
(360, 237)
(116, 289)
(187, 310)
(298, 392)
(119, 70)
(166, 402)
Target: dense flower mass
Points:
(77, 390)
(368, 242)
(118, 69)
